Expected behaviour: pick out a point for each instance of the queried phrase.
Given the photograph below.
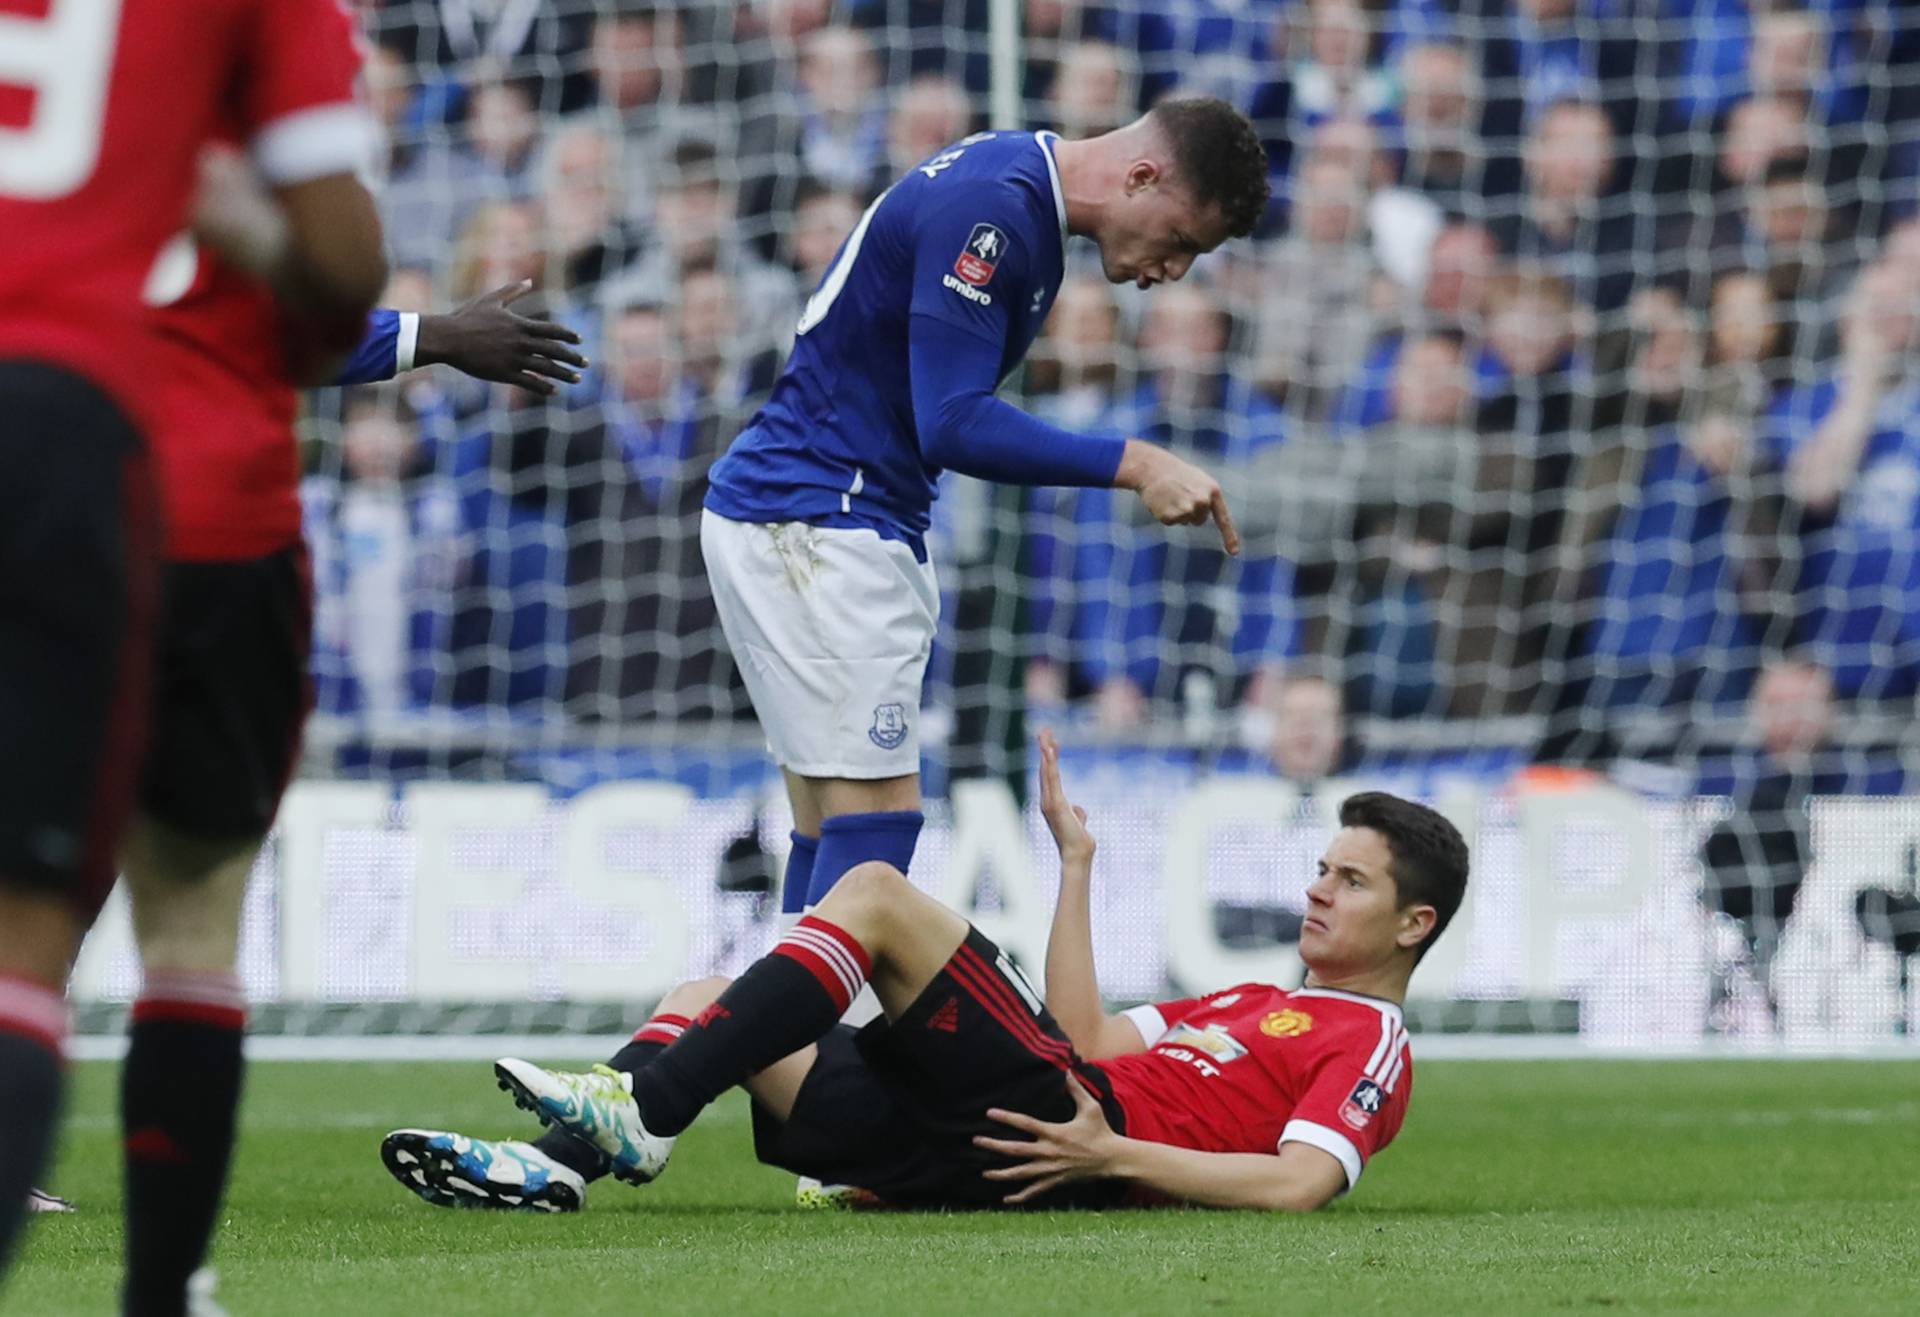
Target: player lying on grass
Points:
(969, 1092)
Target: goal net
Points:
(1567, 399)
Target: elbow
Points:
(941, 438)
(1295, 1200)
(944, 428)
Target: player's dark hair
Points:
(1218, 155)
(1429, 854)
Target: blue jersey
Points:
(973, 238)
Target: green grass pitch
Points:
(1749, 1187)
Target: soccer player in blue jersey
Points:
(815, 520)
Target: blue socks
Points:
(850, 839)
(799, 879)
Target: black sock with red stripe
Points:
(786, 999)
(649, 1040)
(33, 1030)
(179, 1099)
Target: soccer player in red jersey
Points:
(970, 1092)
(98, 163)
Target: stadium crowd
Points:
(1576, 368)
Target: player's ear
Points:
(1141, 175)
(1416, 922)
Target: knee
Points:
(693, 997)
(874, 885)
(187, 898)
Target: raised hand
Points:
(1067, 820)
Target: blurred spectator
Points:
(1201, 47)
(377, 448)
(500, 245)
(503, 128)
(1309, 296)
(842, 120)
(679, 392)
(1724, 50)
(822, 219)
(1539, 53)
(644, 92)
(1760, 130)
(429, 186)
(580, 181)
(821, 116)
(694, 223)
(1806, 249)
(639, 400)
(1166, 617)
(1411, 577)
(542, 44)
(1452, 299)
(1349, 140)
(1533, 427)
(1809, 57)
(1567, 219)
(1073, 380)
(1655, 530)
(930, 112)
(1337, 67)
(387, 555)
(1463, 258)
(1093, 90)
(1749, 349)
(1444, 158)
(1309, 743)
(1750, 369)
(1756, 860)
(1850, 447)
(724, 372)
(638, 62)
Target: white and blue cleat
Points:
(452, 1170)
(596, 1107)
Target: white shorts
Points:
(831, 629)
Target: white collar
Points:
(1380, 1004)
(1053, 176)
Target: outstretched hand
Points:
(488, 340)
(1067, 820)
(1053, 1154)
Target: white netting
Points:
(1568, 398)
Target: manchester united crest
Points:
(1286, 1024)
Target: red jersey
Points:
(1255, 1066)
(222, 438)
(104, 107)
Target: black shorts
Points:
(894, 1107)
(231, 693)
(79, 580)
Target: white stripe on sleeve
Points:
(312, 143)
(1381, 1048)
(1147, 1019)
(1329, 1141)
(407, 342)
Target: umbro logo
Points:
(947, 1018)
(967, 291)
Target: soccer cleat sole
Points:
(432, 1174)
(527, 1102)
